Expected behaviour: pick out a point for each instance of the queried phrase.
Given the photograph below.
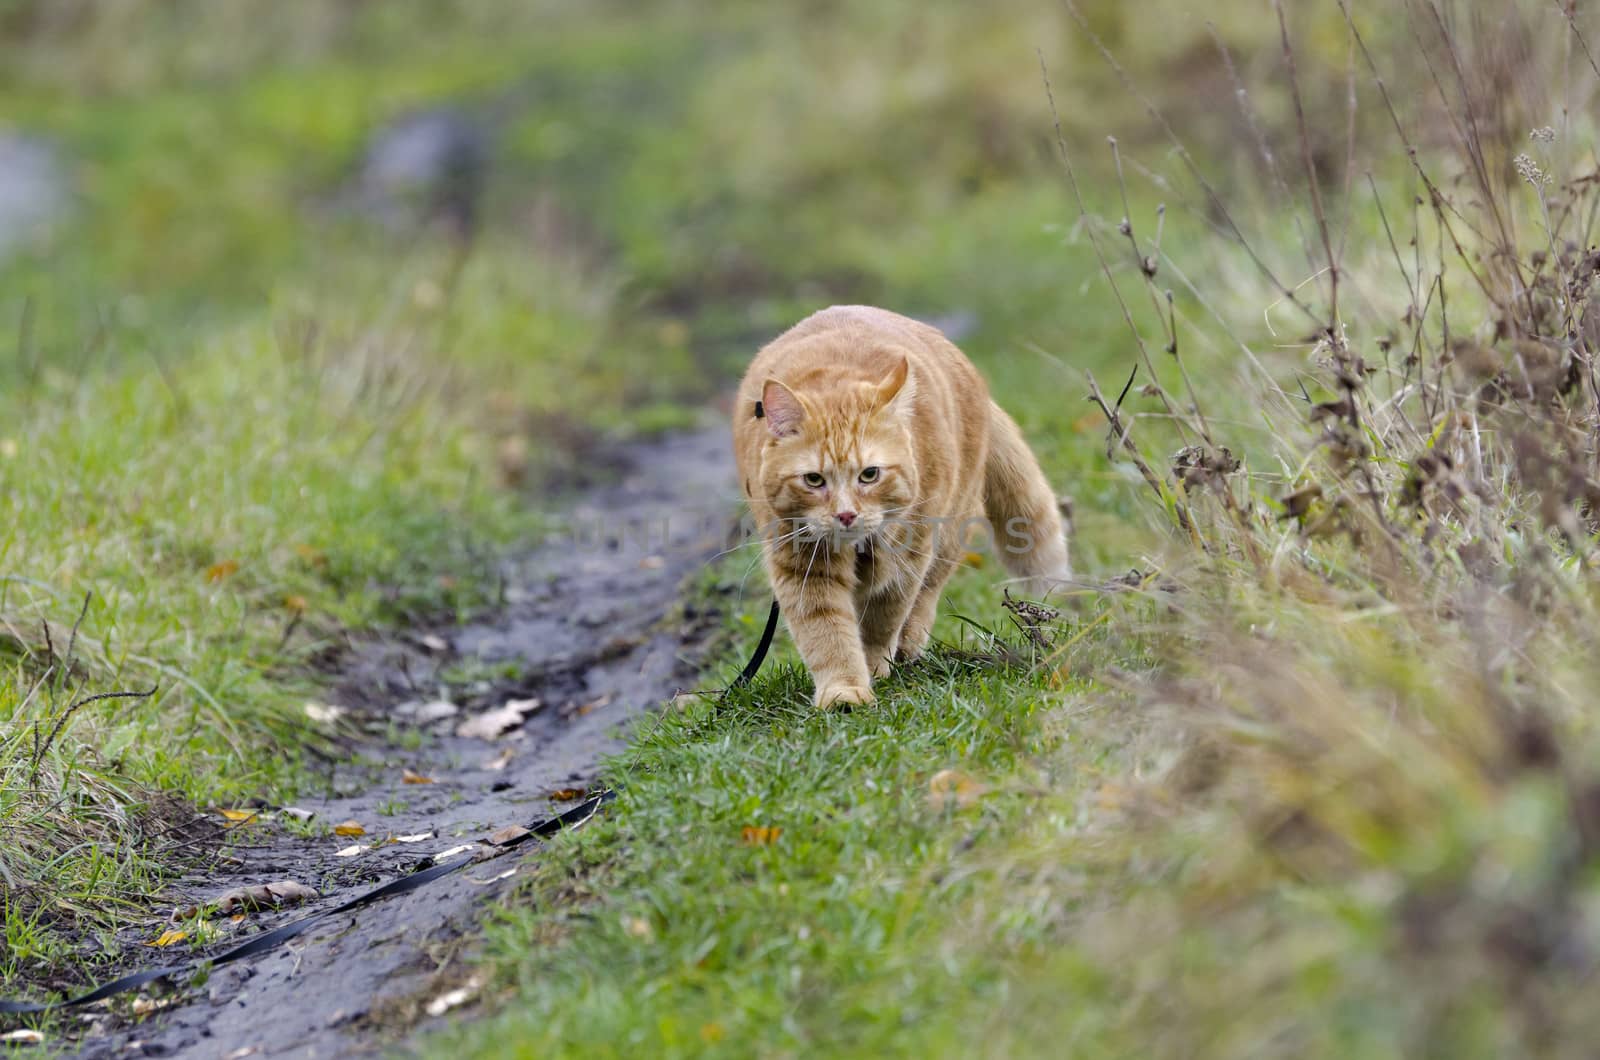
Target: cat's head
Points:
(839, 462)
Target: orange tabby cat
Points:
(869, 450)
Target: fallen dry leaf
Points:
(295, 603)
(324, 713)
(240, 816)
(637, 926)
(580, 709)
(506, 875)
(454, 998)
(446, 855)
(22, 1037)
(438, 710)
(168, 938)
(408, 776)
(220, 570)
(263, 896)
(499, 761)
(509, 834)
(349, 828)
(349, 852)
(952, 787)
(290, 891)
(565, 795)
(652, 563)
(492, 724)
(143, 1006)
(759, 835)
(297, 813)
(433, 642)
(418, 838)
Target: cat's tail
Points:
(1022, 511)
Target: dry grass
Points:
(1358, 808)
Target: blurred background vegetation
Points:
(708, 156)
(604, 207)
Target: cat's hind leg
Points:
(918, 627)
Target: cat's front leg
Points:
(821, 615)
(880, 631)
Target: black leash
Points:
(278, 936)
(760, 656)
(750, 668)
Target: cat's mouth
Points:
(858, 536)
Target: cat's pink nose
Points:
(845, 518)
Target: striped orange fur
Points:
(876, 453)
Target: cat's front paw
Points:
(843, 696)
(912, 645)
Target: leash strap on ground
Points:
(572, 818)
(750, 668)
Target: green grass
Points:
(666, 928)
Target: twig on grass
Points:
(1121, 434)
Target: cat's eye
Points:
(870, 474)
(814, 479)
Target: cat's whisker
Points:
(749, 542)
(731, 549)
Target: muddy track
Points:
(593, 630)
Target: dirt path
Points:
(584, 633)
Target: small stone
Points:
(424, 166)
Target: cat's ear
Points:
(781, 409)
(895, 389)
